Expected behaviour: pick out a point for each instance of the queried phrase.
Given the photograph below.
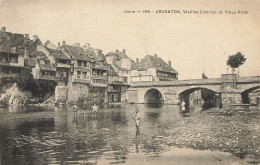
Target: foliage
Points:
(43, 86)
(25, 81)
(39, 88)
(234, 61)
(90, 100)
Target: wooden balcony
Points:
(11, 64)
(79, 80)
(61, 65)
(99, 77)
(47, 77)
(99, 82)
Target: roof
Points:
(101, 65)
(91, 54)
(58, 54)
(35, 59)
(36, 54)
(33, 46)
(118, 54)
(31, 62)
(46, 66)
(156, 62)
(9, 40)
(120, 68)
(77, 53)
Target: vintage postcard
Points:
(129, 82)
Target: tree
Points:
(235, 61)
(25, 81)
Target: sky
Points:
(193, 42)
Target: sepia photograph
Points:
(131, 82)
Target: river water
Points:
(57, 135)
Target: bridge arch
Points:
(245, 93)
(192, 89)
(205, 96)
(153, 96)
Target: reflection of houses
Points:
(12, 48)
(153, 68)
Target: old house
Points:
(12, 52)
(55, 57)
(121, 63)
(41, 66)
(116, 86)
(153, 68)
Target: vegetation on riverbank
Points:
(27, 89)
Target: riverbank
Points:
(233, 131)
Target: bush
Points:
(25, 81)
(90, 100)
(39, 88)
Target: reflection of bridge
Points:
(230, 87)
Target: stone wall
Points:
(132, 95)
(61, 93)
(123, 93)
(75, 90)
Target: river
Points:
(57, 135)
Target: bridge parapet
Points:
(255, 79)
(177, 82)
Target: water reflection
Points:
(57, 135)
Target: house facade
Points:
(153, 68)
(12, 52)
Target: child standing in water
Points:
(94, 108)
(137, 118)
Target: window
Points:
(79, 63)
(84, 75)
(115, 87)
(14, 60)
(78, 74)
(42, 62)
(45, 73)
(85, 64)
(13, 49)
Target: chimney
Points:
(155, 55)
(47, 42)
(3, 29)
(86, 46)
(117, 51)
(124, 51)
(59, 45)
(137, 60)
(169, 63)
(77, 44)
(35, 37)
(26, 36)
(64, 43)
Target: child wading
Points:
(94, 108)
(137, 118)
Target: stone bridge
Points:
(229, 87)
